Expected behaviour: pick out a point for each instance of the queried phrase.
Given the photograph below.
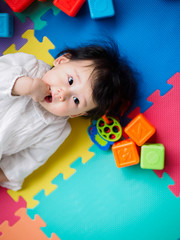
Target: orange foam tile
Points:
(25, 228)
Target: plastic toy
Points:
(106, 119)
(6, 25)
(70, 7)
(125, 153)
(18, 5)
(139, 129)
(105, 134)
(110, 131)
(101, 8)
(152, 156)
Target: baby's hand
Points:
(39, 90)
(36, 88)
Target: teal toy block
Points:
(6, 25)
(152, 156)
(101, 8)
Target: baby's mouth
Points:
(48, 98)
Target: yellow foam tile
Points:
(34, 47)
(76, 145)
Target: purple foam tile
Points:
(19, 29)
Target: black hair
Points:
(113, 85)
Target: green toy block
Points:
(152, 156)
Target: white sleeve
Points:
(18, 166)
(13, 66)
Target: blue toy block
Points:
(6, 25)
(101, 8)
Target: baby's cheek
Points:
(64, 110)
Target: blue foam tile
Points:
(147, 32)
(101, 201)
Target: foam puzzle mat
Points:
(79, 193)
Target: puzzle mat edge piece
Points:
(171, 144)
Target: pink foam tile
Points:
(8, 207)
(164, 114)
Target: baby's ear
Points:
(62, 59)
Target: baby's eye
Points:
(76, 100)
(70, 80)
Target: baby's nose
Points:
(61, 94)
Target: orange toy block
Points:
(140, 130)
(25, 228)
(125, 153)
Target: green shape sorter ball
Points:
(110, 131)
(152, 156)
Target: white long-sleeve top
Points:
(29, 134)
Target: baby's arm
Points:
(35, 88)
(19, 71)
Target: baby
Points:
(36, 102)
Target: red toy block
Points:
(140, 130)
(125, 153)
(70, 7)
(18, 5)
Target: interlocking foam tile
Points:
(36, 10)
(76, 145)
(146, 31)
(164, 114)
(25, 228)
(19, 29)
(101, 201)
(33, 46)
(8, 207)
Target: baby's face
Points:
(70, 86)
